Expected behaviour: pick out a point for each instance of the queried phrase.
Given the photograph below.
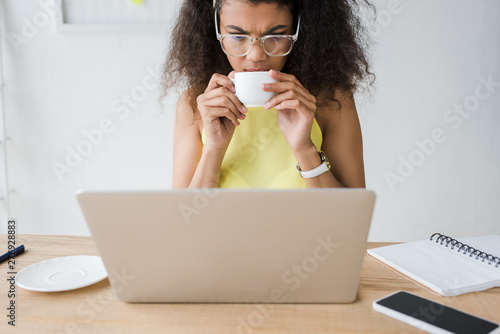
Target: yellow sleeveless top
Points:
(258, 155)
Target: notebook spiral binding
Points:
(466, 249)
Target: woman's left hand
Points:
(296, 109)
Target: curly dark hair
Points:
(331, 52)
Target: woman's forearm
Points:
(207, 172)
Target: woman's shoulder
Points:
(328, 111)
(187, 112)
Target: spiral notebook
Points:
(447, 266)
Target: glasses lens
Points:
(278, 46)
(236, 45)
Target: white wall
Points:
(429, 56)
(59, 85)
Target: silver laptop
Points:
(231, 245)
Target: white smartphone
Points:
(432, 317)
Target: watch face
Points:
(324, 158)
(297, 167)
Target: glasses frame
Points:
(220, 37)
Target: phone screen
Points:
(437, 314)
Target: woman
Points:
(312, 119)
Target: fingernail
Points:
(267, 105)
(274, 72)
(278, 106)
(244, 116)
(267, 85)
(244, 109)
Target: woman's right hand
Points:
(220, 110)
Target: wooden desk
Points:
(95, 309)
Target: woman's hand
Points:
(220, 110)
(296, 109)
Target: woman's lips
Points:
(256, 69)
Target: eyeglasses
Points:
(240, 45)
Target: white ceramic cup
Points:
(249, 90)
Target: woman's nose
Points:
(256, 52)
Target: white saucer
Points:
(62, 273)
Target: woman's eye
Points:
(238, 38)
